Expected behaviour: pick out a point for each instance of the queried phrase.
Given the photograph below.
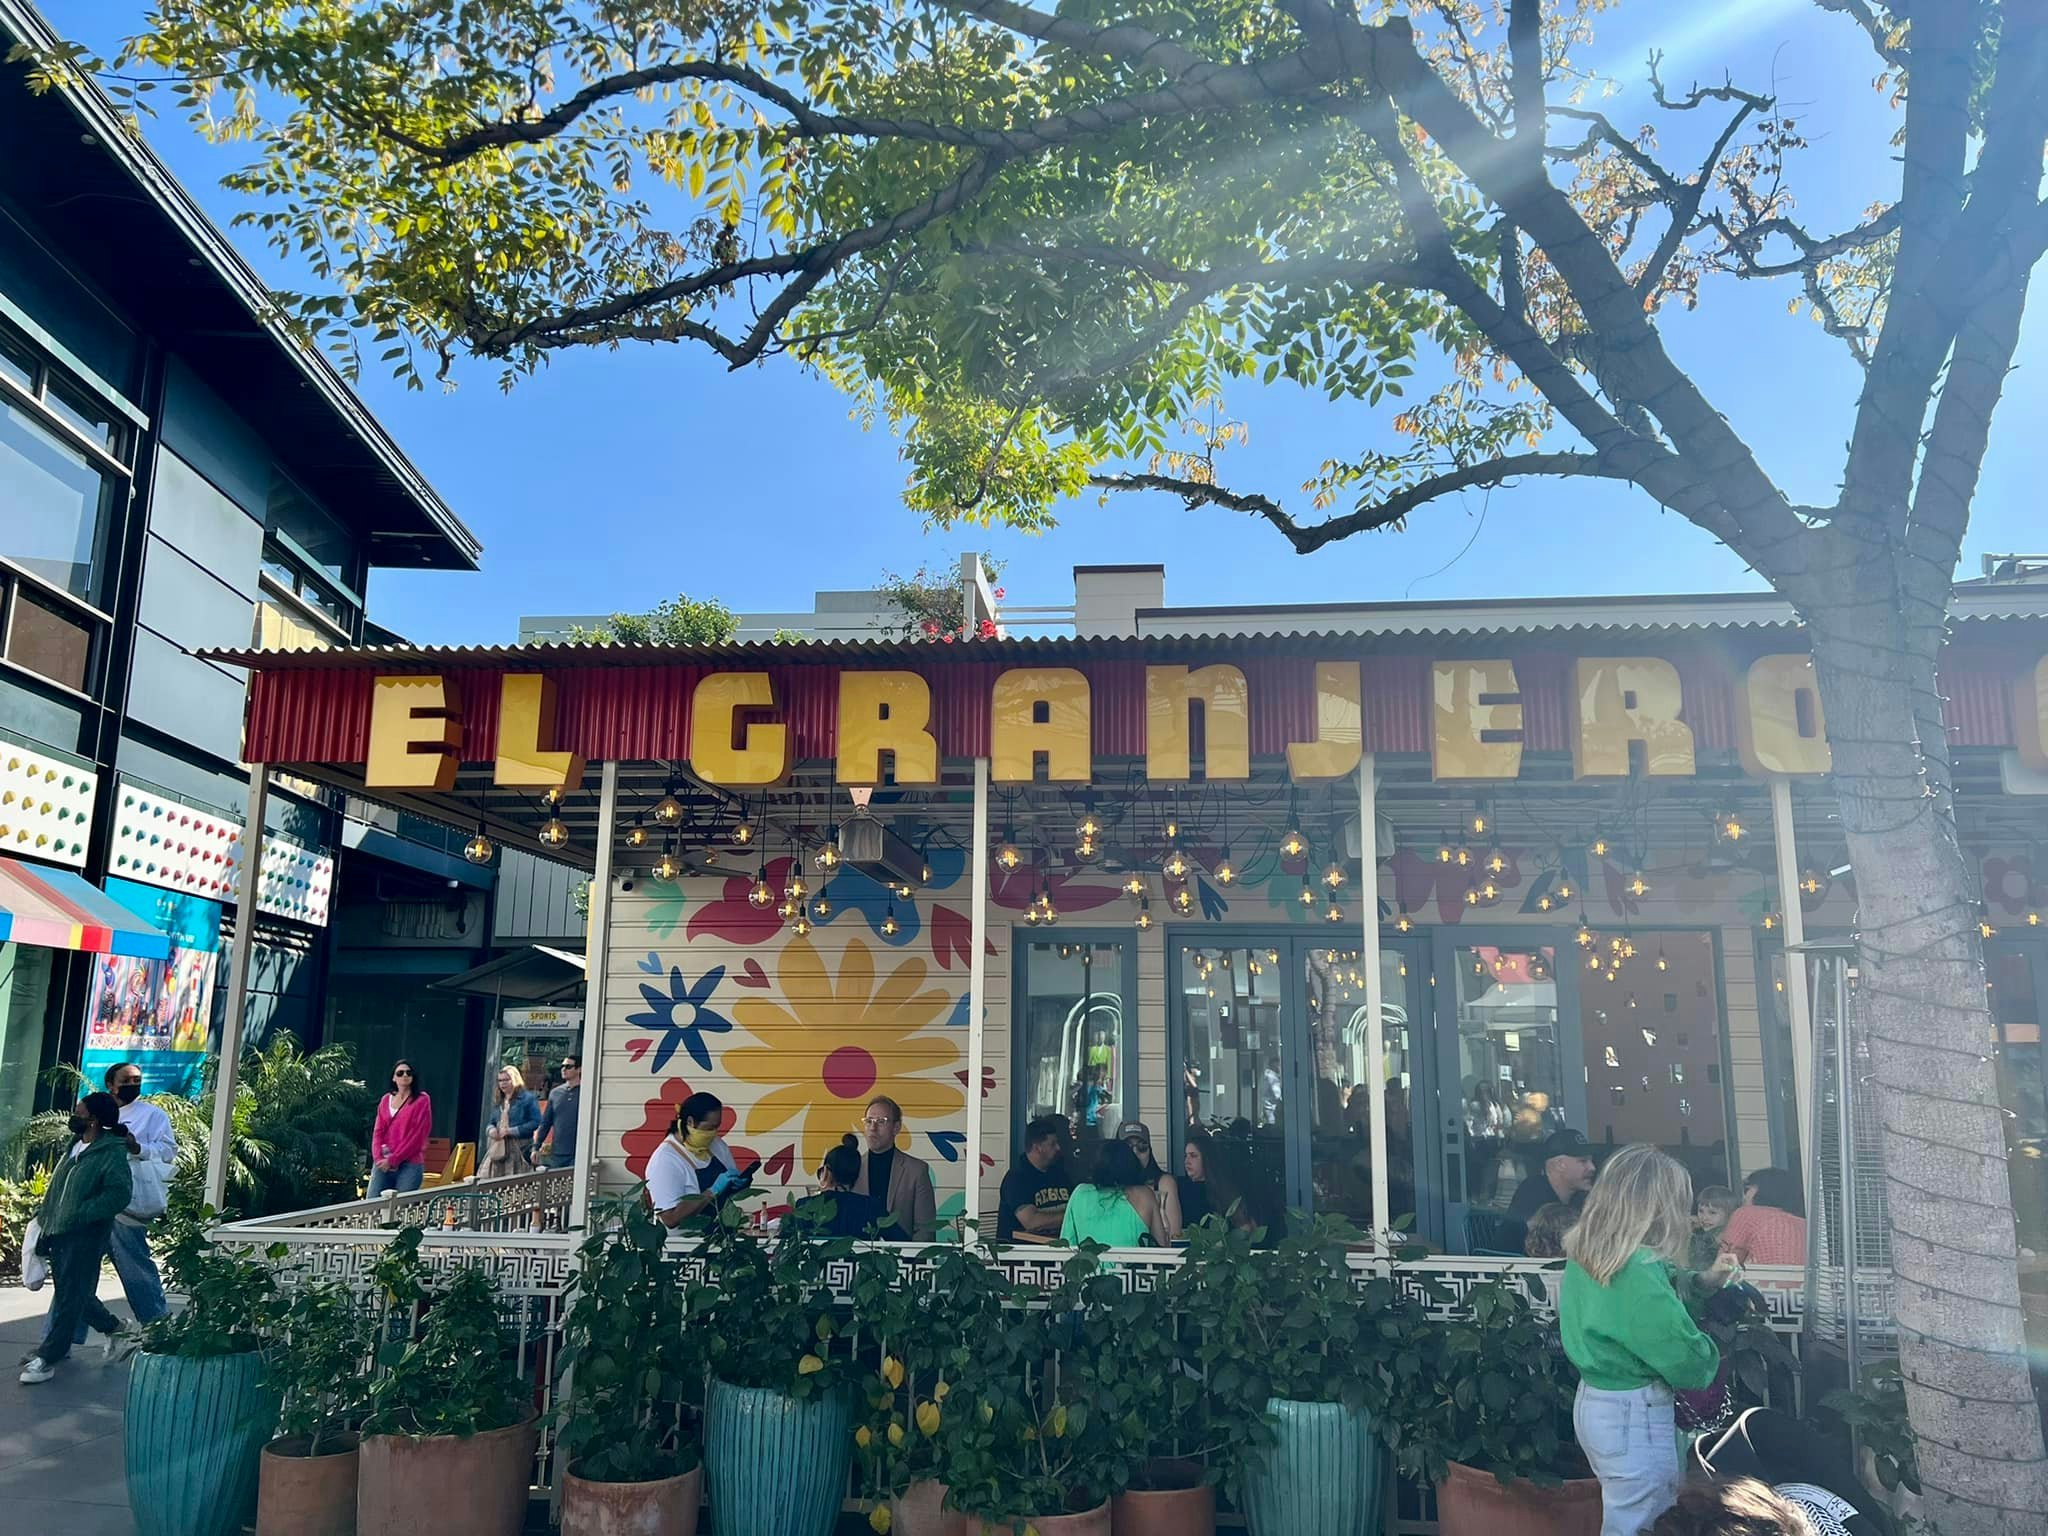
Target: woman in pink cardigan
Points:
(398, 1138)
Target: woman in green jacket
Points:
(90, 1187)
(1630, 1335)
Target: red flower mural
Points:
(659, 1114)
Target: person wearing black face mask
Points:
(87, 1192)
(151, 1130)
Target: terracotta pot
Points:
(302, 1495)
(920, 1510)
(666, 1506)
(1175, 1502)
(1470, 1502)
(1093, 1522)
(447, 1485)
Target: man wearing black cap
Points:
(1564, 1178)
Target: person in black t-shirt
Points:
(851, 1214)
(1034, 1193)
(1563, 1178)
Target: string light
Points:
(1478, 823)
(1496, 861)
(1463, 858)
(1225, 871)
(1638, 884)
(1134, 884)
(801, 927)
(1333, 913)
(794, 887)
(551, 796)
(553, 833)
(1184, 900)
(1445, 852)
(668, 810)
(1171, 831)
(478, 849)
(1663, 964)
(1333, 875)
(785, 909)
(1144, 917)
(829, 857)
(1563, 889)
(1175, 864)
(1771, 921)
(1087, 850)
(1009, 857)
(743, 831)
(1293, 844)
(1729, 826)
(1544, 903)
(1593, 962)
(1403, 922)
(636, 836)
(822, 907)
(1812, 882)
(1088, 829)
(760, 897)
(1584, 937)
(1489, 892)
(1308, 893)
(668, 866)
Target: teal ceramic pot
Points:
(775, 1466)
(1325, 1474)
(196, 1431)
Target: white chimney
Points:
(1107, 597)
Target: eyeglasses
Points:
(878, 1125)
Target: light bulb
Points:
(1088, 828)
(1593, 962)
(743, 833)
(1333, 913)
(760, 896)
(828, 857)
(1294, 845)
(1403, 923)
(1496, 861)
(1308, 893)
(1184, 900)
(1445, 853)
(1544, 903)
(1563, 890)
(1463, 858)
(1585, 934)
(890, 927)
(924, 874)
(1175, 866)
(1134, 884)
(669, 810)
(1770, 922)
(785, 909)
(1144, 917)
(1172, 828)
(667, 867)
(1663, 964)
(478, 849)
(1226, 872)
(636, 837)
(1489, 891)
(551, 796)
(1598, 847)
(1087, 850)
(1471, 895)
(1638, 884)
(1333, 875)
(1812, 881)
(553, 834)
(1031, 916)
(1478, 824)
(1729, 827)
(1009, 856)
(794, 887)
(801, 927)
(822, 908)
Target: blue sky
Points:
(615, 479)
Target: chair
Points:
(457, 1161)
(435, 1160)
(1493, 1234)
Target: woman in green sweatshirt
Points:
(90, 1187)
(1630, 1335)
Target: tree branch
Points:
(1685, 209)
(1873, 27)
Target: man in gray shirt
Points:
(554, 1144)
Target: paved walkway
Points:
(60, 1443)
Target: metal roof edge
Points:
(207, 240)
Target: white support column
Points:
(1798, 1006)
(977, 987)
(596, 968)
(1375, 993)
(228, 1062)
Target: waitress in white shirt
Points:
(693, 1168)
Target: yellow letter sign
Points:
(1340, 732)
(886, 712)
(723, 749)
(1040, 709)
(1774, 733)
(415, 734)
(526, 718)
(1476, 707)
(1622, 699)
(1170, 693)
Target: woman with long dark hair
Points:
(1116, 1207)
(90, 1187)
(398, 1134)
(1770, 1225)
(1194, 1179)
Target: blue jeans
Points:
(405, 1178)
(1631, 1439)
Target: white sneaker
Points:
(116, 1347)
(36, 1371)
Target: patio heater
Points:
(1848, 1242)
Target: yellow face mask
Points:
(698, 1139)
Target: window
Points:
(49, 638)
(56, 499)
(1076, 1028)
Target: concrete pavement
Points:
(60, 1443)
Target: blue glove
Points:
(725, 1183)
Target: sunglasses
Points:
(403, 1072)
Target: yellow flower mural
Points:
(828, 1045)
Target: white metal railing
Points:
(523, 1203)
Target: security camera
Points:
(626, 884)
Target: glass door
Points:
(1273, 1053)
(1510, 1070)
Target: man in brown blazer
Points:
(903, 1181)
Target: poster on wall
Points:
(156, 1013)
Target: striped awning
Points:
(56, 909)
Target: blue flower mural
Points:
(681, 1015)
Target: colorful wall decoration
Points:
(157, 1013)
(45, 804)
(163, 842)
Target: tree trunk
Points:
(1922, 993)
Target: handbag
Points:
(35, 1269)
(151, 1195)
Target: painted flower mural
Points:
(682, 1014)
(829, 1044)
(658, 1114)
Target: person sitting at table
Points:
(1769, 1227)
(840, 1210)
(693, 1168)
(1035, 1192)
(1243, 1193)
(1116, 1207)
(1165, 1188)
(1194, 1181)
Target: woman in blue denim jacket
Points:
(515, 1116)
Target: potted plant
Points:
(631, 1366)
(927, 1332)
(1025, 1448)
(199, 1409)
(1487, 1418)
(1311, 1355)
(317, 1365)
(778, 1413)
(449, 1439)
